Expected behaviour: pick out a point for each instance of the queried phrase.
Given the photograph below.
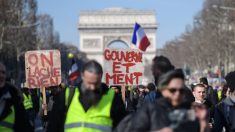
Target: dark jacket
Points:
(58, 114)
(188, 97)
(139, 99)
(151, 97)
(129, 104)
(212, 95)
(21, 120)
(224, 116)
(153, 117)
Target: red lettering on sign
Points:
(49, 60)
(125, 67)
(54, 82)
(31, 82)
(127, 56)
(108, 77)
(44, 82)
(137, 75)
(33, 59)
(129, 79)
(45, 73)
(37, 72)
(120, 79)
(56, 72)
(116, 67)
(30, 74)
(106, 54)
(128, 65)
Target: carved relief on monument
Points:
(91, 43)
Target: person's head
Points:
(160, 65)
(141, 88)
(92, 75)
(230, 77)
(2, 74)
(199, 92)
(200, 110)
(92, 86)
(146, 90)
(204, 81)
(151, 87)
(172, 86)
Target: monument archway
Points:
(99, 29)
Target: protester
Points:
(139, 97)
(28, 105)
(130, 103)
(221, 91)
(202, 114)
(90, 106)
(225, 111)
(210, 93)
(12, 113)
(160, 65)
(152, 95)
(155, 117)
(199, 92)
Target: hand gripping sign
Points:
(123, 66)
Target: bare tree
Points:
(211, 40)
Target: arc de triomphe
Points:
(113, 27)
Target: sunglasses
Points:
(174, 90)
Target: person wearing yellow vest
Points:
(89, 106)
(28, 102)
(13, 117)
(28, 105)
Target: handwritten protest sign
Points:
(43, 68)
(123, 66)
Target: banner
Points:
(43, 68)
(123, 66)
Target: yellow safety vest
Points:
(7, 124)
(95, 119)
(28, 104)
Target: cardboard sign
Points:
(123, 66)
(43, 68)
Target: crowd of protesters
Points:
(166, 104)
